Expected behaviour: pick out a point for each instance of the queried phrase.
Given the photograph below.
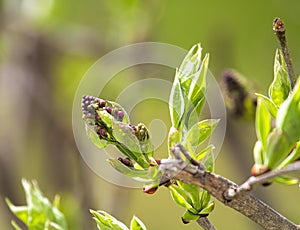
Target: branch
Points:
(279, 29)
(252, 181)
(205, 223)
(217, 186)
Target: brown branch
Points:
(205, 223)
(279, 29)
(252, 181)
(217, 186)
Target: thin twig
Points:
(218, 186)
(252, 181)
(279, 29)
(205, 223)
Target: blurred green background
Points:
(46, 46)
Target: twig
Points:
(279, 29)
(252, 181)
(217, 186)
(205, 223)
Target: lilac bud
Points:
(102, 103)
(108, 109)
(102, 133)
(120, 115)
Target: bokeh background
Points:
(46, 46)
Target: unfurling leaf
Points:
(39, 214)
(258, 153)
(272, 108)
(288, 117)
(107, 222)
(278, 148)
(262, 121)
(176, 104)
(137, 224)
(281, 85)
(201, 131)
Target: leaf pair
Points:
(277, 123)
(107, 222)
(39, 213)
(191, 198)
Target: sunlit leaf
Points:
(272, 108)
(294, 155)
(209, 149)
(287, 180)
(181, 198)
(208, 209)
(278, 148)
(94, 137)
(193, 191)
(107, 222)
(201, 131)
(258, 153)
(39, 212)
(189, 216)
(289, 114)
(137, 174)
(262, 121)
(176, 104)
(137, 224)
(281, 86)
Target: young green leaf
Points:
(107, 222)
(289, 114)
(281, 85)
(209, 149)
(137, 174)
(287, 180)
(278, 148)
(176, 104)
(272, 108)
(190, 64)
(293, 156)
(201, 131)
(94, 137)
(137, 224)
(208, 209)
(128, 142)
(258, 153)
(39, 214)
(194, 193)
(181, 198)
(262, 121)
(189, 216)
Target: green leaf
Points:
(176, 104)
(209, 149)
(194, 112)
(281, 86)
(174, 137)
(289, 114)
(106, 117)
(286, 180)
(293, 156)
(198, 83)
(190, 64)
(193, 191)
(181, 198)
(272, 108)
(137, 174)
(278, 148)
(94, 137)
(39, 212)
(130, 145)
(209, 162)
(258, 153)
(107, 222)
(262, 121)
(137, 224)
(205, 199)
(201, 131)
(208, 209)
(188, 216)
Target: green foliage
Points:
(107, 222)
(39, 213)
(277, 124)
